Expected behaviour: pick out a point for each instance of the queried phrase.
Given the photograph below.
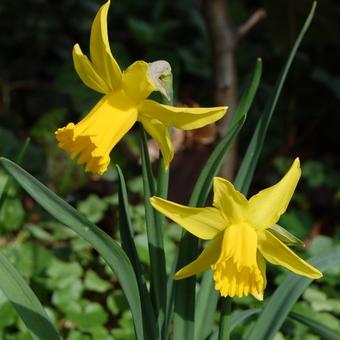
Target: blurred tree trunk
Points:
(224, 39)
(223, 42)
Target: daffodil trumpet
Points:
(124, 103)
(240, 231)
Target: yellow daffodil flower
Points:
(124, 102)
(240, 231)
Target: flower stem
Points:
(224, 327)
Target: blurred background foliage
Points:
(40, 92)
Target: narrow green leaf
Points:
(25, 302)
(206, 303)
(247, 169)
(155, 237)
(110, 250)
(21, 154)
(23, 150)
(213, 165)
(169, 300)
(284, 298)
(129, 246)
(185, 308)
(207, 298)
(242, 316)
(325, 332)
(285, 236)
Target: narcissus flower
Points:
(242, 233)
(124, 102)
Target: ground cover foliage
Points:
(40, 92)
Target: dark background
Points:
(40, 91)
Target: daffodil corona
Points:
(124, 102)
(242, 234)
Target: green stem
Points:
(224, 327)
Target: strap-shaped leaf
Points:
(128, 244)
(155, 237)
(325, 332)
(249, 163)
(207, 302)
(25, 302)
(110, 250)
(185, 308)
(284, 298)
(213, 165)
(285, 236)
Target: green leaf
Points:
(7, 184)
(242, 316)
(248, 166)
(95, 283)
(30, 259)
(207, 299)
(213, 165)
(25, 302)
(206, 303)
(12, 213)
(110, 250)
(72, 292)
(325, 332)
(284, 298)
(8, 315)
(285, 236)
(93, 208)
(62, 274)
(129, 246)
(87, 314)
(155, 237)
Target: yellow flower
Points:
(241, 235)
(124, 102)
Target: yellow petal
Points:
(136, 82)
(94, 136)
(101, 56)
(266, 207)
(239, 244)
(277, 252)
(87, 73)
(204, 223)
(236, 271)
(208, 256)
(185, 118)
(261, 263)
(232, 204)
(160, 133)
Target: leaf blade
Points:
(155, 237)
(248, 166)
(325, 332)
(284, 298)
(110, 250)
(25, 302)
(206, 303)
(129, 247)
